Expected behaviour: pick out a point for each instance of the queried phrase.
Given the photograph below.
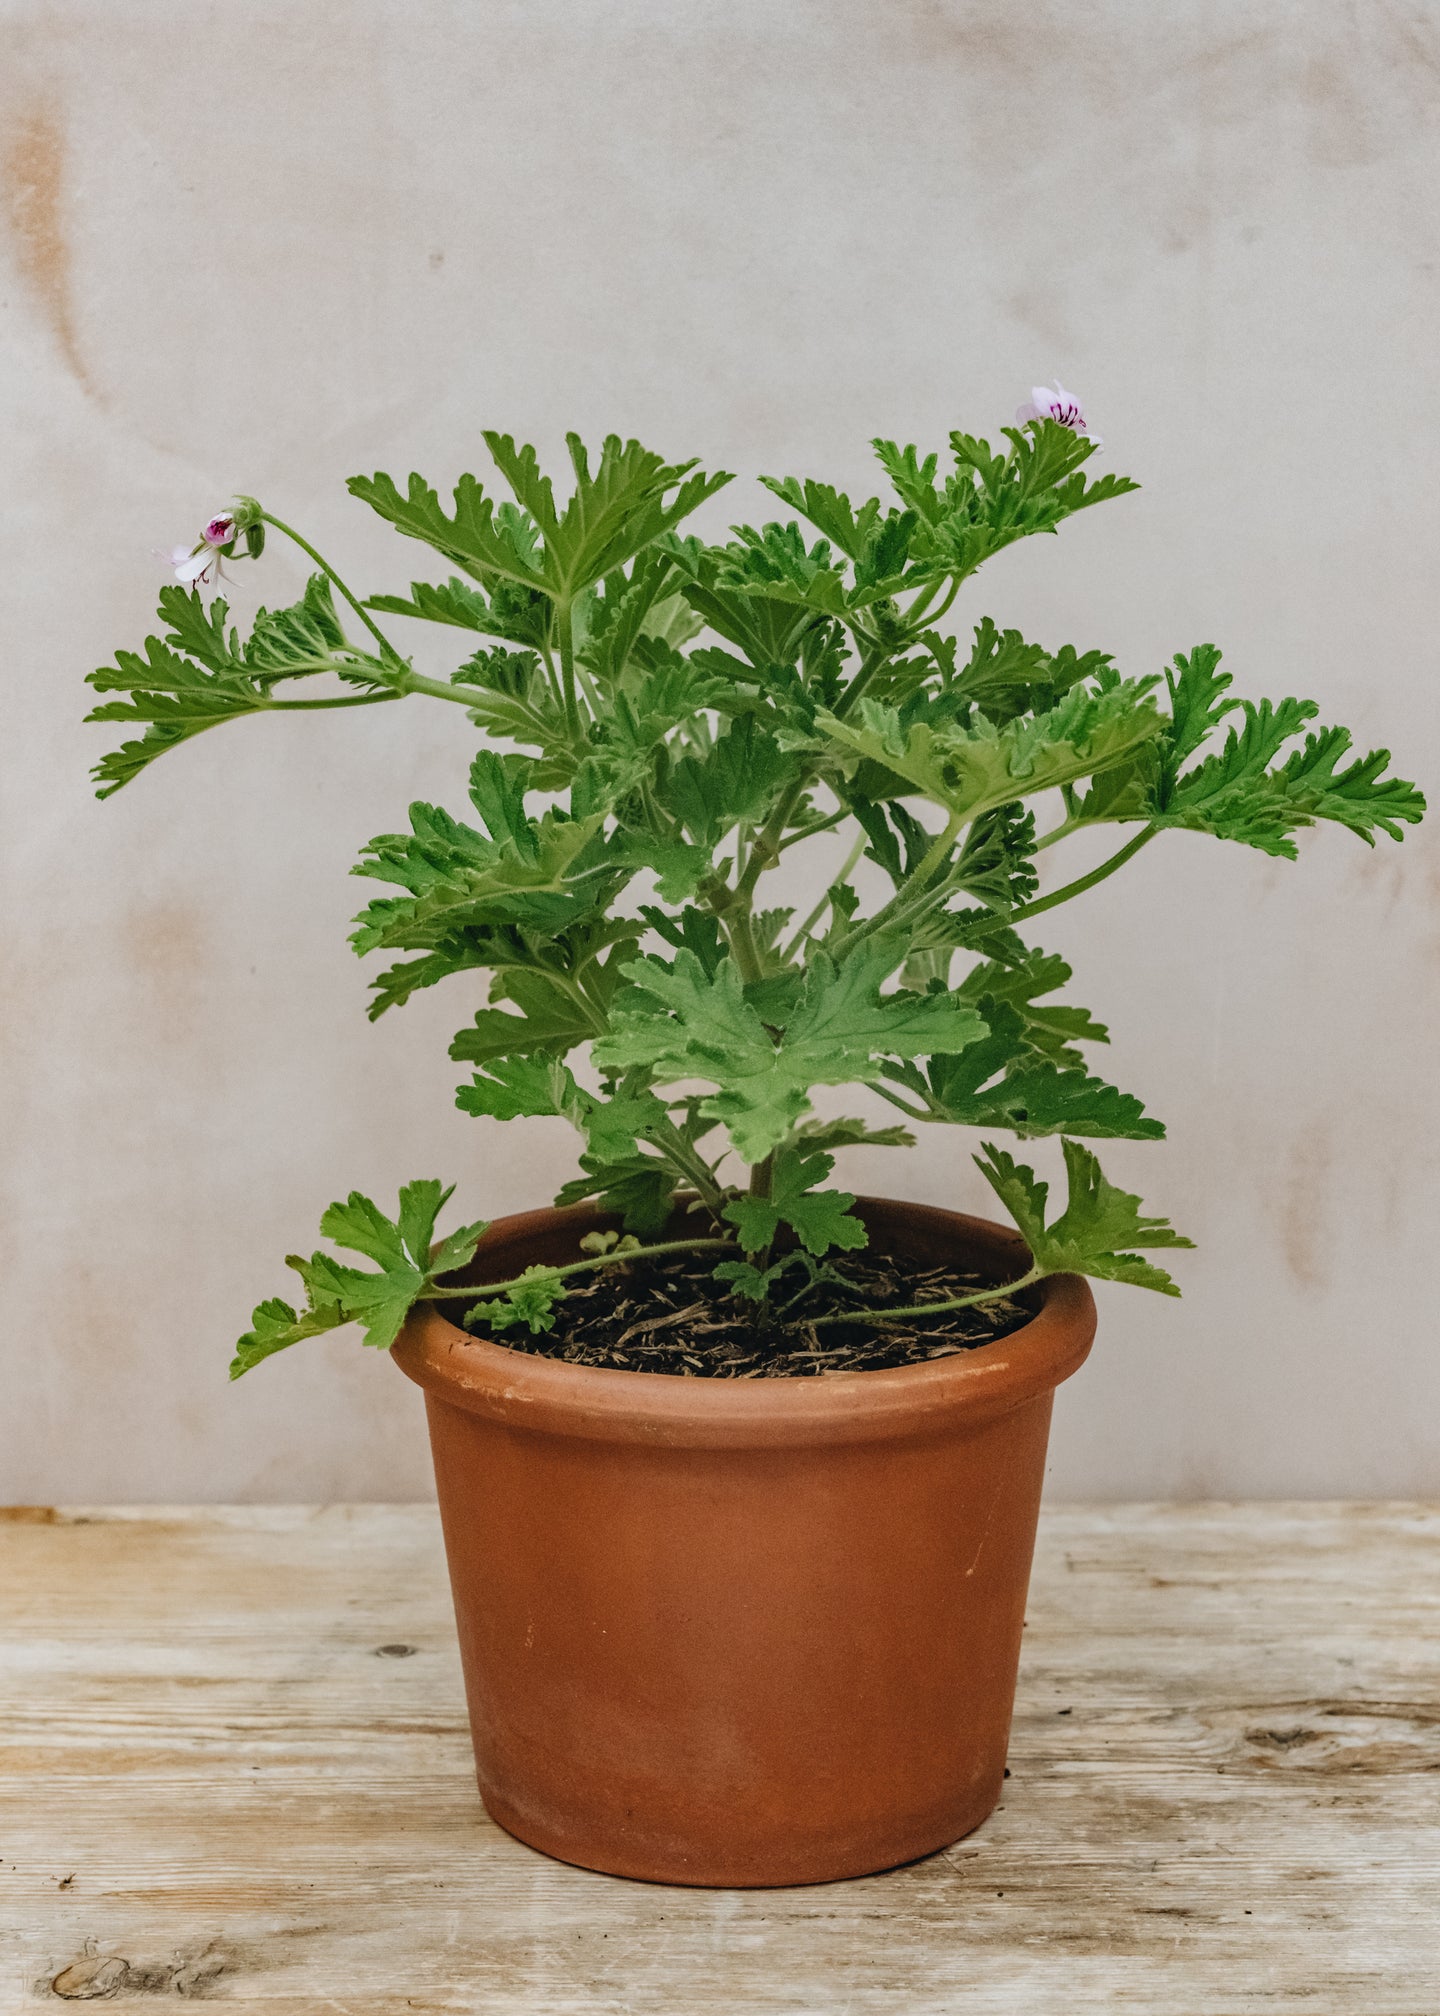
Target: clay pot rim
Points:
(546, 1395)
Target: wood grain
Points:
(234, 1766)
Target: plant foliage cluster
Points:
(660, 721)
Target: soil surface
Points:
(672, 1316)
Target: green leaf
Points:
(626, 505)
(829, 512)
(820, 1219)
(876, 542)
(993, 499)
(898, 842)
(999, 1082)
(971, 770)
(639, 1187)
(454, 602)
(551, 1021)
(492, 546)
(735, 782)
(693, 930)
(827, 1134)
(531, 1300)
(513, 610)
(409, 1265)
(677, 1022)
(199, 674)
(632, 499)
(754, 1283)
(1241, 791)
(515, 1088)
(1022, 976)
(1236, 794)
(630, 610)
(1097, 1223)
(1361, 797)
(522, 873)
(996, 864)
(1006, 677)
(774, 562)
(514, 700)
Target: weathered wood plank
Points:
(234, 1764)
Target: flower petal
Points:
(193, 566)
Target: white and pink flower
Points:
(199, 565)
(1053, 402)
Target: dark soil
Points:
(670, 1315)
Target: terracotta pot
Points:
(743, 1631)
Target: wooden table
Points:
(234, 1765)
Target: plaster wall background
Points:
(263, 247)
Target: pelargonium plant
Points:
(665, 728)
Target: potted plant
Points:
(738, 1473)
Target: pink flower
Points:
(1055, 403)
(199, 565)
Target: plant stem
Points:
(350, 700)
(870, 664)
(930, 1308)
(566, 630)
(438, 689)
(329, 572)
(911, 1112)
(914, 883)
(688, 1162)
(844, 875)
(485, 1288)
(1061, 832)
(937, 615)
(552, 677)
(815, 826)
(742, 943)
(1084, 882)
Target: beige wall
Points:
(263, 246)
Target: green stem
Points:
(930, 1308)
(834, 883)
(438, 689)
(567, 984)
(743, 945)
(329, 572)
(765, 849)
(870, 664)
(688, 1162)
(350, 700)
(914, 883)
(910, 1112)
(486, 1288)
(566, 630)
(938, 615)
(815, 826)
(1061, 832)
(552, 677)
(1084, 882)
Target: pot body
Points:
(743, 1632)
